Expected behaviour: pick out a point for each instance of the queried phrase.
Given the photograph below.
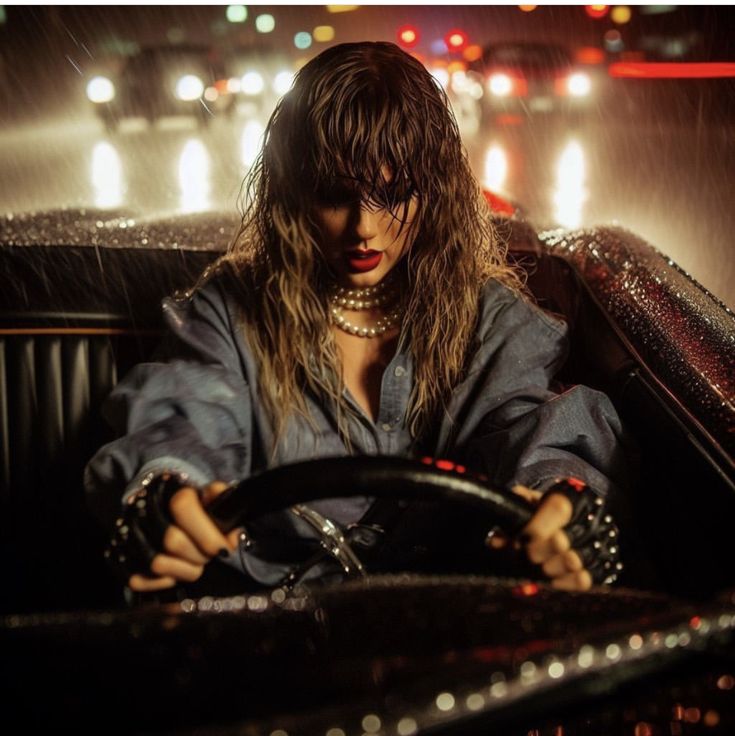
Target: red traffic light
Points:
(408, 36)
(456, 40)
(596, 11)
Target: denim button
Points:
(387, 427)
(399, 371)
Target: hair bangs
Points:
(366, 124)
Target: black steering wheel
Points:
(378, 477)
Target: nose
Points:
(367, 223)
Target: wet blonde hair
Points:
(353, 110)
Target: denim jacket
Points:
(198, 412)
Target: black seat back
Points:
(72, 320)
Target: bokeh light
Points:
(323, 34)
(495, 169)
(251, 141)
(613, 41)
(620, 14)
(302, 40)
(283, 81)
(456, 40)
(441, 76)
(189, 87)
(408, 36)
(237, 13)
(597, 11)
(472, 52)
(194, 176)
(265, 23)
(590, 55)
(100, 89)
(571, 192)
(107, 175)
(252, 83)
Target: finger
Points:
(173, 567)
(541, 550)
(177, 544)
(141, 584)
(580, 580)
(553, 513)
(233, 538)
(211, 491)
(562, 564)
(188, 513)
(528, 493)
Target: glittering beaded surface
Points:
(680, 330)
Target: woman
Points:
(365, 308)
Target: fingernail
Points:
(224, 553)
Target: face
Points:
(363, 241)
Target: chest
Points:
(364, 361)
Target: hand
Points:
(547, 544)
(188, 544)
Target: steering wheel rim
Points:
(379, 477)
(375, 476)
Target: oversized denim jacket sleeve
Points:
(191, 413)
(512, 425)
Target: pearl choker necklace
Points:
(392, 319)
(386, 292)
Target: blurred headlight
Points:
(441, 76)
(252, 83)
(100, 89)
(189, 87)
(283, 81)
(500, 85)
(579, 84)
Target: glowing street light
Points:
(323, 34)
(236, 13)
(620, 14)
(265, 23)
(596, 11)
(302, 40)
(408, 36)
(456, 40)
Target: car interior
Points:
(75, 317)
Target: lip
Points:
(361, 261)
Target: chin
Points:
(371, 278)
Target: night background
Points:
(652, 149)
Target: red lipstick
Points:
(361, 261)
